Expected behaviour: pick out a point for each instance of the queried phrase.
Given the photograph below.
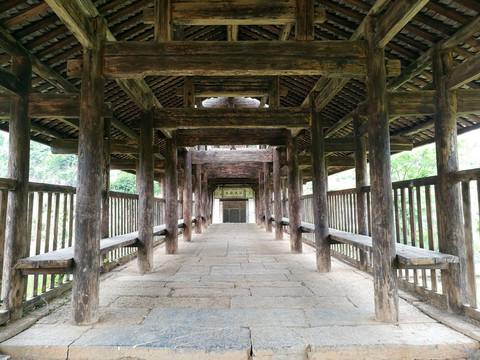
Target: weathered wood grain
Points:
(294, 196)
(219, 58)
(187, 195)
(171, 206)
(195, 137)
(226, 156)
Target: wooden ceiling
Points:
(32, 26)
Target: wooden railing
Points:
(50, 227)
(415, 215)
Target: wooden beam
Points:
(234, 170)
(163, 29)
(232, 32)
(397, 143)
(273, 137)
(305, 20)
(17, 244)
(9, 83)
(228, 58)
(227, 156)
(116, 146)
(145, 196)
(383, 237)
(420, 103)
(464, 73)
(170, 118)
(86, 272)
(59, 105)
(398, 14)
(425, 60)
(236, 12)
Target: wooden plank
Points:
(195, 137)
(451, 237)
(384, 272)
(145, 195)
(88, 207)
(237, 12)
(226, 156)
(169, 118)
(224, 58)
(464, 73)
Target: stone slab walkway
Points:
(235, 293)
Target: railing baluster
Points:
(431, 244)
(420, 229)
(468, 226)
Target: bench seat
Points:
(61, 261)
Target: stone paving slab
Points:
(162, 342)
(235, 293)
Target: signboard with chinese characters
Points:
(234, 193)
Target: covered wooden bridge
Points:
(124, 84)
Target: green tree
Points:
(418, 163)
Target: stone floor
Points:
(235, 293)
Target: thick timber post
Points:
(204, 201)
(198, 199)
(267, 197)
(261, 195)
(277, 201)
(294, 196)
(187, 196)
(171, 196)
(17, 244)
(360, 182)
(145, 195)
(257, 204)
(383, 241)
(106, 179)
(319, 183)
(86, 272)
(451, 237)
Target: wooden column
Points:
(361, 181)
(86, 272)
(294, 196)
(198, 199)
(284, 197)
(17, 244)
(319, 183)
(261, 195)
(187, 196)
(171, 196)
(257, 205)
(277, 204)
(383, 240)
(204, 201)
(451, 237)
(145, 195)
(106, 181)
(267, 197)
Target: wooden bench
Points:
(61, 261)
(408, 257)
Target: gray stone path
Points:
(235, 293)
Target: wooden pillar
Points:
(198, 199)
(294, 196)
(86, 272)
(106, 180)
(277, 204)
(257, 205)
(145, 195)
(451, 237)
(267, 197)
(187, 196)
(361, 181)
(171, 196)
(261, 195)
(319, 183)
(17, 244)
(284, 197)
(204, 201)
(383, 241)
